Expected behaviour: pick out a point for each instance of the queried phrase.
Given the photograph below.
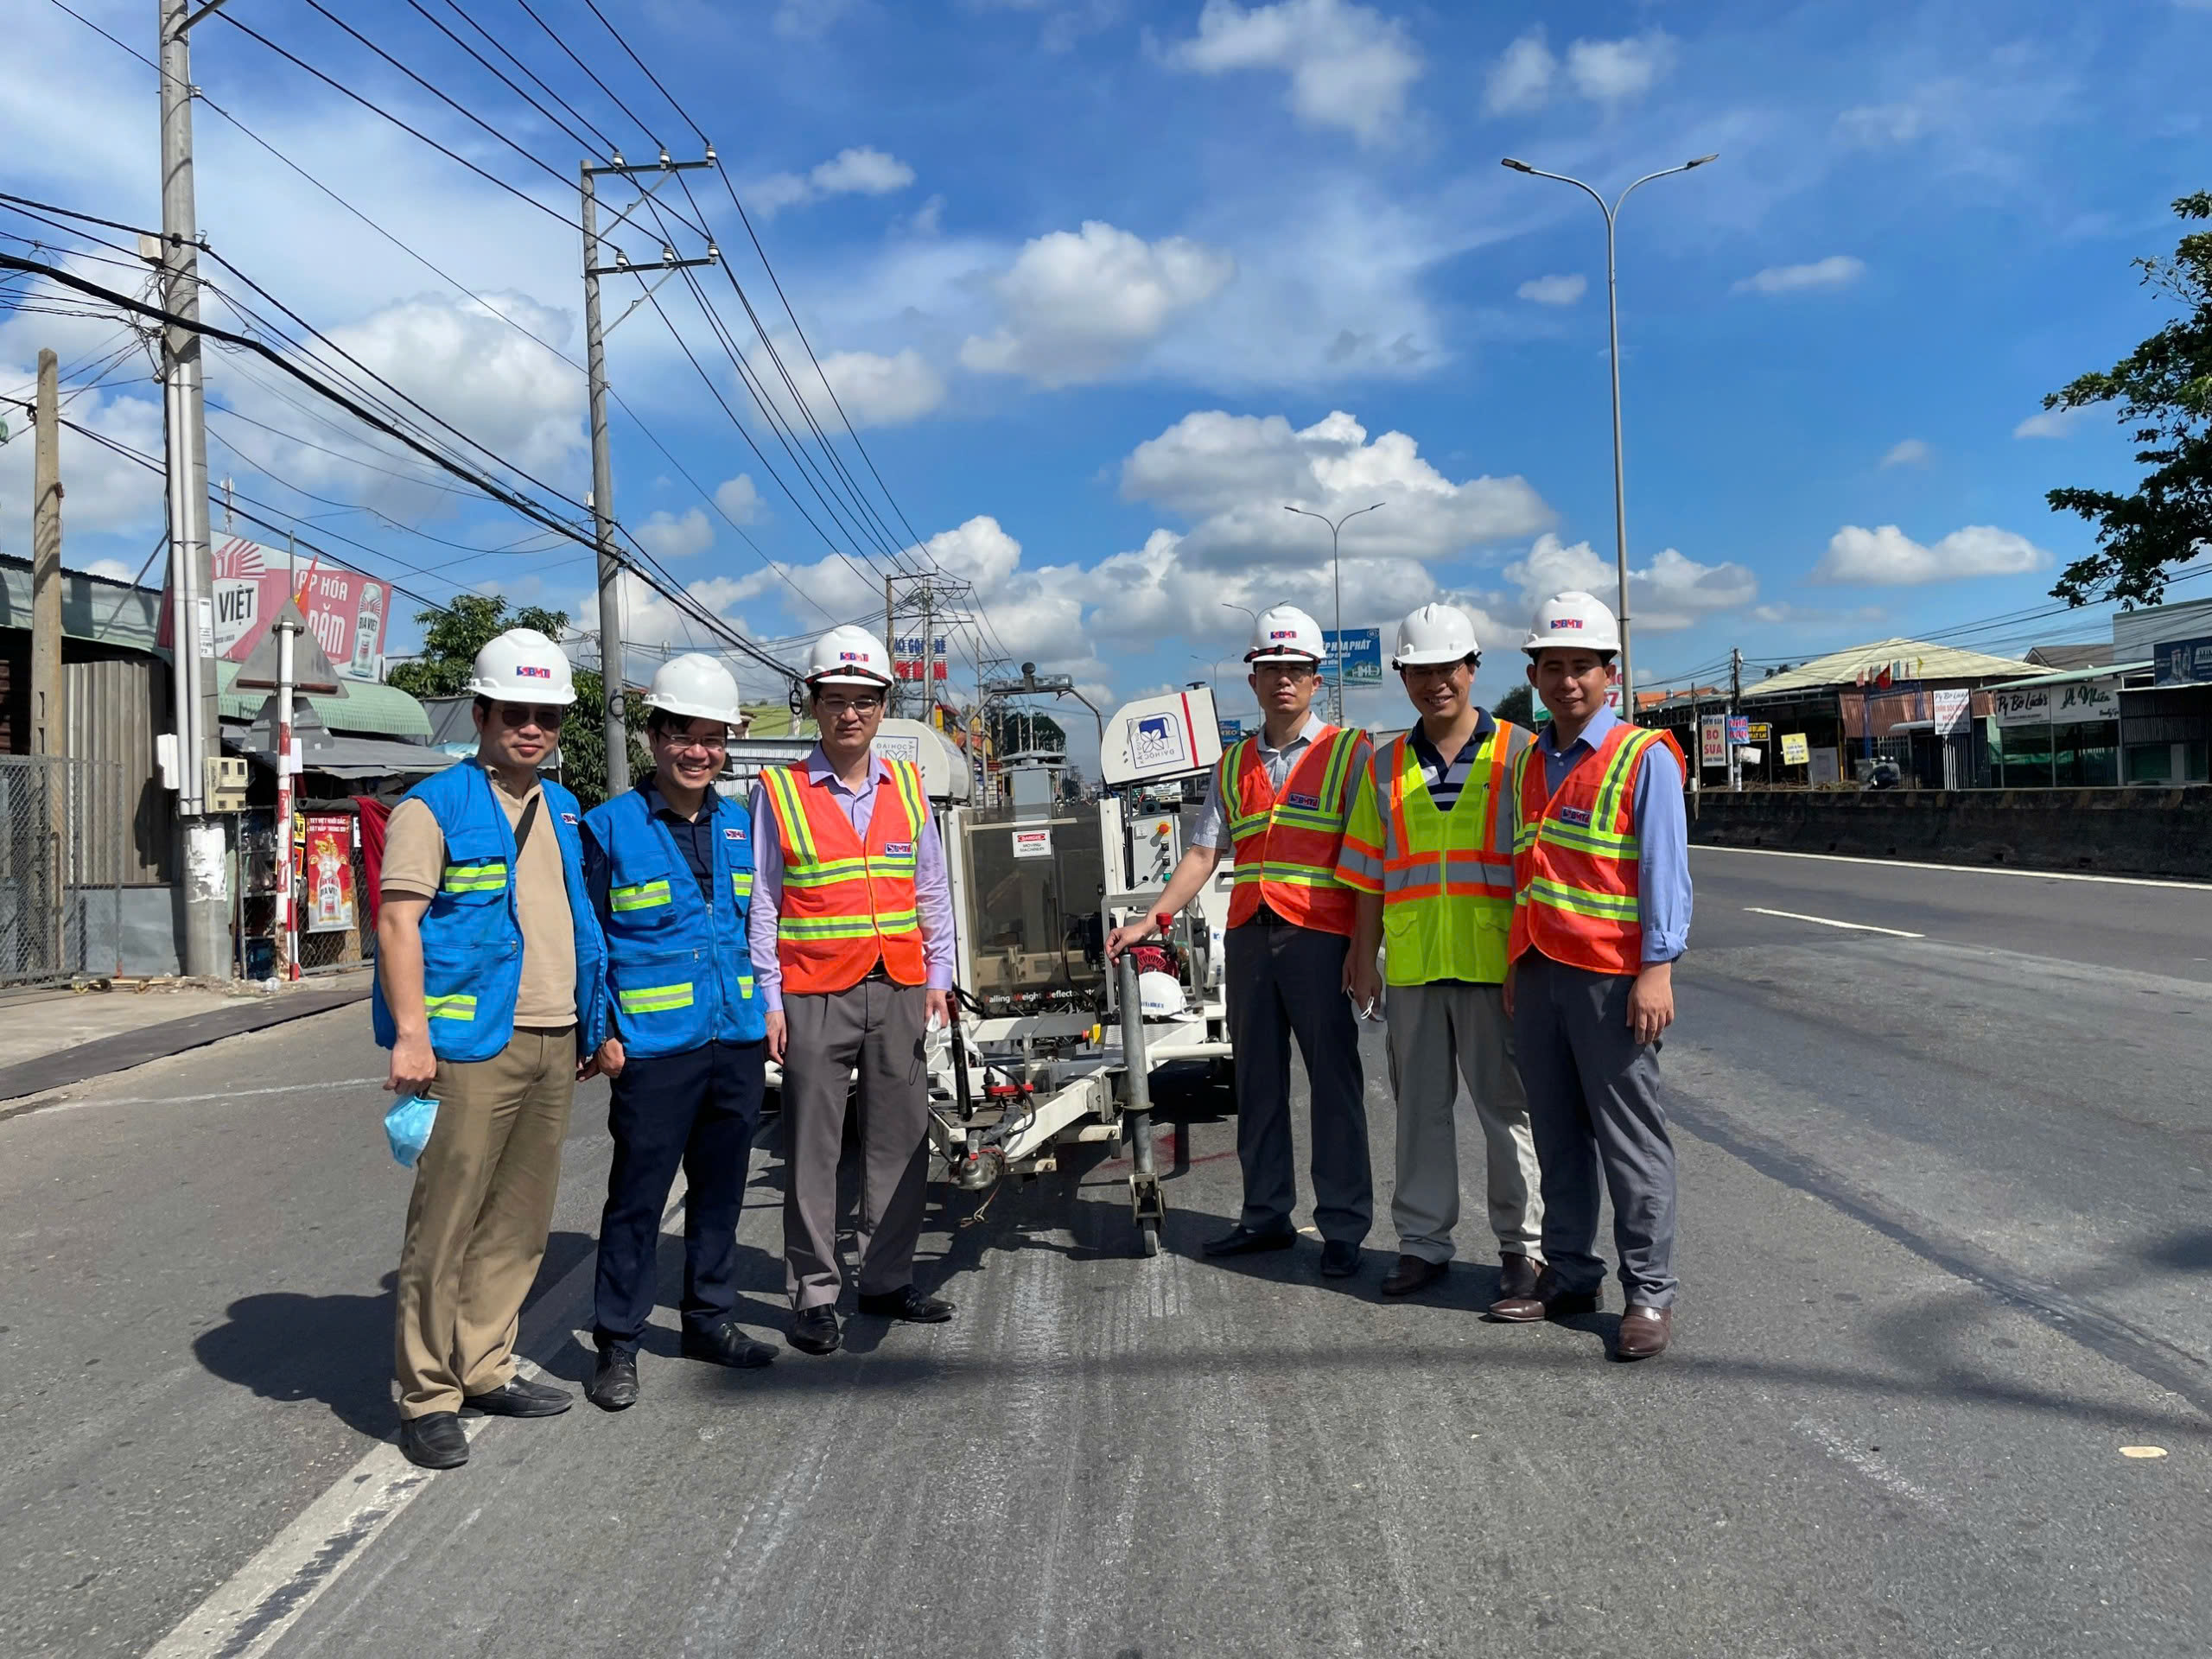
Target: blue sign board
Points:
(2183, 661)
(1740, 729)
(1230, 730)
(1363, 655)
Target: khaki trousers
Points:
(476, 1224)
(1439, 1034)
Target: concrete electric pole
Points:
(49, 721)
(602, 465)
(203, 880)
(1735, 698)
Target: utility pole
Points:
(928, 656)
(288, 628)
(204, 941)
(1735, 697)
(602, 465)
(48, 725)
(890, 651)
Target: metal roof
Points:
(1841, 668)
(383, 711)
(97, 609)
(2076, 675)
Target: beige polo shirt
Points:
(415, 865)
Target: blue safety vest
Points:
(472, 933)
(679, 967)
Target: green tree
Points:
(451, 639)
(2163, 388)
(1013, 731)
(1518, 706)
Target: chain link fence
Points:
(65, 833)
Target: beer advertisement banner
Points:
(346, 611)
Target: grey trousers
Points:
(1439, 1034)
(877, 1026)
(1283, 981)
(1593, 1102)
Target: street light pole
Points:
(1337, 581)
(1613, 322)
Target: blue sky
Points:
(1106, 283)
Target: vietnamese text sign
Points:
(1951, 706)
(910, 652)
(1794, 750)
(1712, 740)
(1740, 729)
(1363, 655)
(1760, 732)
(346, 611)
(2073, 704)
(328, 869)
(2183, 661)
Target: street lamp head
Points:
(1702, 160)
(1518, 167)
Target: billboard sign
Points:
(2183, 661)
(1712, 740)
(910, 652)
(1951, 706)
(346, 611)
(1795, 751)
(1740, 729)
(2076, 704)
(1361, 649)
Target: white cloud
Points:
(1817, 616)
(1674, 591)
(1554, 290)
(1233, 474)
(1349, 65)
(861, 170)
(1521, 77)
(1837, 270)
(1080, 305)
(1887, 556)
(1908, 452)
(1612, 72)
(2049, 423)
(113, 569)
(739, 499)
(668, 537)
(879, 390)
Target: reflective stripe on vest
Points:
(1286, 842)
(458, 1005)
(1575, 857)
(655, 999)
(848, 902)
(1447, 877)
(644, 896)
(474, 878)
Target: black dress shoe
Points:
(1241, 1240)
(614, 1385)
(1339, 1259)
(1412, 1273)
(909, 1306)
(520, 1397)
(727, 1345)
(434, 1440)
(813, 1329)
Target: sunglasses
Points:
(837, 707)
(516, 715)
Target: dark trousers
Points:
(1283, 981)
(1593, 1104)
(696, 1109)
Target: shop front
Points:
(2058, 731)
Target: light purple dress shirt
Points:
(932, 888)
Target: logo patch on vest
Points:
(1311, 803)
(567, 817)
(1575, 815)
(732, 834)
(898, 849)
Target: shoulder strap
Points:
(528, 823)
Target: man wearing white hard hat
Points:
(1430, 851)
(668, 864)
(852, 952)
(1601, 912)
(490, 994)
(1277, 803)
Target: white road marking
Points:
(73, 1103)
(1829, 921)
(265, 1598)
(1963, 869)
(1867, 1463)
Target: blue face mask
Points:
(407, 1125)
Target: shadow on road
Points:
(285, 1346)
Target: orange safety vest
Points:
(1575, 893)
(847, 905)
(1284, 846)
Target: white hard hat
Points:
(848, 655)
(1283, 633)
(522, 665)
(1436, 634)
(1573, 619)
(696, 685)
(1160, 996)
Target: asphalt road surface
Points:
(1946, 1254)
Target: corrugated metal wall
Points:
(114, 709)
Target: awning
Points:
(338, 754)
(383, 711)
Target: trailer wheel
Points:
(1148, 1236)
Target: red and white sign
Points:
(346, 611)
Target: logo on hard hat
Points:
(1567, 621)
(851, 655)
(1282, 634)
(531, 671)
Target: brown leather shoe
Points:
(1646, 1330)
(1516, 1277)
(1545, 1301)
(1412, 1273)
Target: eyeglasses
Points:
(838, 707)
(679, 742)
(1285, 671)
(516, 715)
